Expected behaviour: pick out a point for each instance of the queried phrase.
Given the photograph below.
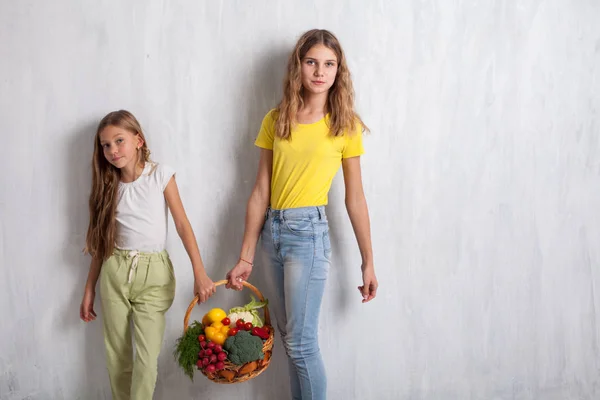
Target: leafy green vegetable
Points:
(187, 349)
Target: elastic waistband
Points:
(316, 212)
(140, 254)
(136, 256)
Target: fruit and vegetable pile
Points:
(226, 346)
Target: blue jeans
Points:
(297, 243)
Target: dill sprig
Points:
(187, 349)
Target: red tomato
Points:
(225, 321)
(239, 324)
(248, 326)
(201, 338)
(233, 331)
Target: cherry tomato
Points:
(201, 338)
(248, 326)
(233, 331)
(239, 324)
(225, 321)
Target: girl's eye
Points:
(119, 140)
(106, 145)
(329, 64)
(310, 62)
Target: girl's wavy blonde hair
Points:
(340, 99)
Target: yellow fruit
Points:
(205, 320)
(224, 330)
(216, 315)
(219, 338)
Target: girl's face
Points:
(319, 68)
(120, 146)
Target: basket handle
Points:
(257, 292)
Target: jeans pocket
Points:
(299, 227)
(326, 245)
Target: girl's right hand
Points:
(86, 310)
(238, 274)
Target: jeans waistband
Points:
(314, 212)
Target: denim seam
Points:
(312, 265)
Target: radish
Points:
(210, 368)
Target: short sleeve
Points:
(266, 135)
(354, 146)
(163, 175)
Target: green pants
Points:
(137, 289)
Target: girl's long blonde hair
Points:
(100, 239)
(340, 99)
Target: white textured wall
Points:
(482, 176)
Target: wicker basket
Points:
(239, 373)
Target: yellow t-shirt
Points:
(304, 167)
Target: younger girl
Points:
(126, 239)
(303, 142)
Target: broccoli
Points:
(243, 348)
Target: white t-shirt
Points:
(142, 210)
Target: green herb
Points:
(187, 349)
